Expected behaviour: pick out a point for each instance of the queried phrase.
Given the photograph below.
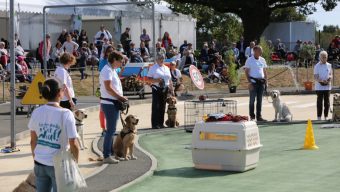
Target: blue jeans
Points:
(45, 178)
(257, 94)
(111, 115)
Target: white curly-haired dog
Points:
(281, 109)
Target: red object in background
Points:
(202, 97)
(228, 117)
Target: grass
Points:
(283, 166)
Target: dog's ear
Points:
(168, 99)
(76, 113)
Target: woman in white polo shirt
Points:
(61, 73)
(323, 86)
(46, 135)
(111, 90)
(160, 77)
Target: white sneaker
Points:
(319, 118)
(110, 160)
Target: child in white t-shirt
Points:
(52, 128)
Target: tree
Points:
(255, 14)
(287, 15)
(330, 28)
(211, 24)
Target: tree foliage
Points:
(210, 23)
(330, 28)
(255, 14)
(287, 15)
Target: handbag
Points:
(122, 106)
(67, 173)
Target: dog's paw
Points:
(133, 158)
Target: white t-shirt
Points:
(157, 72)
(108, 74)
(256, 67)
(69, 47)
(249, 52)
(47, 121)
(325, 72)
(62, 75)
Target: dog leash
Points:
(125, 113)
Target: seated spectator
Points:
(250, 50)
(213, 75)
(166, 40)
(57, 52)
(187, 58)
(204, 56)
(297, 48)
(105, 44)
(160, 49)
(19, 51)
(120, 48)
(333, 51)
(183, 46)
(176, 77)
(170, 51)
(70, 46)
(280, 48)
(83, 37)
(212, 50)
(18, 71)
(24, 69)
(144, 52)
(134, 54)
(224, 75)
(144, 37)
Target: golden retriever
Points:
(124, 143)
(172, 112)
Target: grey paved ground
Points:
(131, 169)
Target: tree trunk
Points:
(254, 22)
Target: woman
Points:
(57, 52)
(160, 77)
(83, 37)
(111, 92)
(323, 77)
(70, 46)
(166, 40)
(61, 73)
(176, 78)
(46, 124)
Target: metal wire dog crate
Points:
(195, 110)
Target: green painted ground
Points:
(282, 166)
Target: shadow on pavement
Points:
(15, 155)
(190, 172)
(16, 173)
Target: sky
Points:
(326, 18)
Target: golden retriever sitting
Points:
(124, 143)
(172, 112)
(28, 185)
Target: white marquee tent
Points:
(115, 18)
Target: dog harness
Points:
(123, 134)
(79, 122)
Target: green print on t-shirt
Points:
(49, 135)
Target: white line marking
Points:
(305, 105)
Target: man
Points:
(280, 48)
(236, 52)
(241, 46)
(125, 40)
(104, 31)
(183, 46)
(255, 69)
(145, 38)
(249, 50)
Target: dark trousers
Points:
(158, 106)
(66, 104)
(257, 94)
(322, 96)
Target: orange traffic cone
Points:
(309, 138)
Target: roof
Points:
(36, 6)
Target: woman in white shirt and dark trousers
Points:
(61, 73)
(46, 124)
(111, 92)
(160, 77)
(323, 86)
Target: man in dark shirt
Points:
(125, 40)
(183, 46)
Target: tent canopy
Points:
(36, 6)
